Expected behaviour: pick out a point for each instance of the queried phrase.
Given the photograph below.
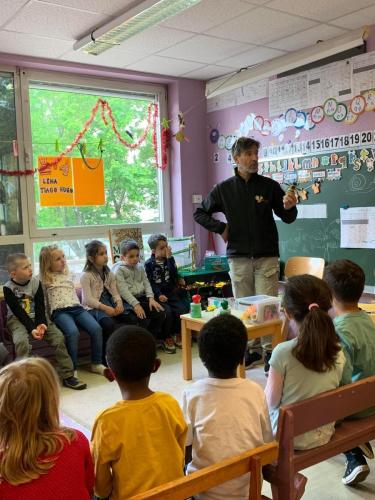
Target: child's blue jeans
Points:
(68, 320)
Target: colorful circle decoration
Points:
(341, 112)
(370, 100)
(350, 118)
(221, 142)
(258, 123)
(300, 120)
(214, 135)
(309, 124)
(317, 114)
(267, 126)
(291, 116)
(358, 105)
(330, 106)
(229, 141)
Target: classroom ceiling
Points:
(211, 39)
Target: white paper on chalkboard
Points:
(357, 227)
(317, 211)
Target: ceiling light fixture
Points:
(144, 15)
(287, 62)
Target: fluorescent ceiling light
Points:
(287, 62)
(144, 15)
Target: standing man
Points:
(248, 201)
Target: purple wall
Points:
(228, 120)
(188, 169)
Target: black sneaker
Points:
(74, 383)
(356, 471)
(366, 449)
(252, 359)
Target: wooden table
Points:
(254, 331)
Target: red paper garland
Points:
(105, 110)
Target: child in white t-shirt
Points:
(226, 415)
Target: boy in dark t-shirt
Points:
(26, 317)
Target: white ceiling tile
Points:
(102, 6)
(210, 71)
(164, 66)
(154, 39)
(207, 14)
(9, 8)
(321, 10)
(54, 21)
(357, 19)
(31, 45)
(114, 58)
(204, 49)
(307, 38)
(251, 57)
(260, 26)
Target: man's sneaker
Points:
(252, 359)
(168, 346)
(366, 449)
(356, 471)
(74, 383)
(177, 340)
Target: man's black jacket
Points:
(248, 208)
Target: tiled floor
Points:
(324, 479)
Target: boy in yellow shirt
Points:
(139, 442)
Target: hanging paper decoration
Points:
(330, 106)
(317, 114)
(358, 105)
(214, 135)
(165, 142)
(180, 134)
(341, 112)
(290, 117)
(258, 123)
(266, 129)
(370, 100)
(350, 118)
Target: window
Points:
(133, 185)
(10, 204)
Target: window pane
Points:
(10, 200)
(131, 179)
(5, 250)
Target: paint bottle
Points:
(196, 306)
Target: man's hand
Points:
(139, 311)
(289, 201)
(163, 298)
(225, 234)
(168, 252)
(155, 305)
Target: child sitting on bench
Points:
(311, 363)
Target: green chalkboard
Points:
(321, 237)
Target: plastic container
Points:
(267, 307)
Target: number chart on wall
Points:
(336, 180)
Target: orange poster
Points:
(71, 182)
(88, 181)
(55, 182)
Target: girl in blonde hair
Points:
(65, 308)
(39, 459)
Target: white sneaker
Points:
(75, 373)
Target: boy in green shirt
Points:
(357, 335)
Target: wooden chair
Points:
(304, 265)
(298, 418)
(230, 468)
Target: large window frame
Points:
(96, 84)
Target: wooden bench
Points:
(298, 418)
(230, 468)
